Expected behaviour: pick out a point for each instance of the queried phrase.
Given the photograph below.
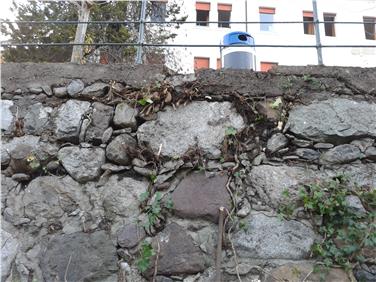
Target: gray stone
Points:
(9, 249)
(95, 90)
(144, 171)
(21, 177)
(171, 165)
(37, 119)
(360, 175)
(178, 254)
(355, 203)
(52, 165)
(365, 273)
(106, 136)
(117, 150)
(99, 121)
(130, 235)
(83, 164)
(363, 144)
(199, 123)
(75, 87)
(371, 153)
(125, 116)
(323, 146)
(114, 168)
(60, 92)
(6, 114)
(307, 154)
(122, 131)
(121, 196)
(139, 163)
(79, 257)
(271, 238)
(47, 89)
(259, 159)
(270, 181)
(302, 143)
(69, 119)
(198, 196)
(5, 157)
(341, 154)
(35, 90)
(276, 142)
(333, 120)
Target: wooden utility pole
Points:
(83, 16)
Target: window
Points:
(329, 27)
(266, 66)
(219, 64)
(224, 15)
(202, 13)
(369, 27)
(158, 10)
(266, 15)
(201, 63)
(308, 25)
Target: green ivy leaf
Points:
(230, 131)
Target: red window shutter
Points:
(266, 66)
(219, 64)
(201, 63)
(307, 14)
(202, 6)
(266, 10)
(225, 7)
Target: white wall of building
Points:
(285, 34)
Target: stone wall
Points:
(99, 161)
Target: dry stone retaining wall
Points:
(99, 161)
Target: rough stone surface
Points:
(363, 144)
(121, 196)
(100, 121)
(178, 254)
(355, 203)
(79, 257)
(276, 142)
(296, 272)
(199, 123)
(6, 114)
(60, 92)
(270, 181)
(198, 196)
(95, 90)
(83, 164)
(116, 151)
(125, 116)
(37, 119)
(130, 235)
(333, 120)
(371, 153)
(341, 154)
(9, 250)
(271, 238)
(21, 177)
(323, 146)
(5, 157)
(307, 154)
(69, 119)
(75, 87)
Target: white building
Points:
(283, 34)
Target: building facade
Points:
(363, 33)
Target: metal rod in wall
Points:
(141, 33)
(317, 33)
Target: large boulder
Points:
(9, 250)
(269, 237)
(6, 114)
(341, 154)
(79, 257)
(178, 254)
(333, 120)
(83, 164)
(199, 123)
(100, 121)
(198, 196)
(125, 116)
(118, 149)
(69, 119)
(37, 119)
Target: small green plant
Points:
(145, 101)
(307, 78)
(230, 131)
(276, 103)
(154, 211)
(153, 178)
(346, 231)
(146, 253)
(287, 84)
(243, 225)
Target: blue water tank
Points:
(238, 57)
